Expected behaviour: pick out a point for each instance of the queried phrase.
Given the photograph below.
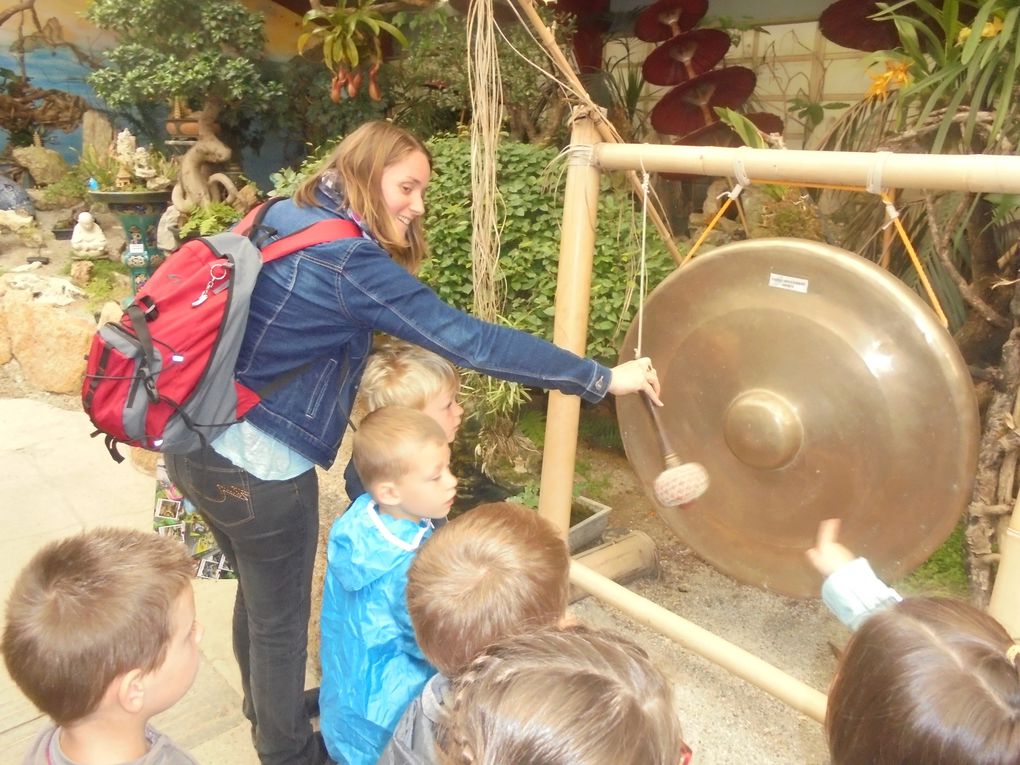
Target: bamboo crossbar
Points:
(872, 170)
(735, 660)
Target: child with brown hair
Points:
(569, 696)
(923, 680)
(496, 571)
(100, 634)
(371, 665)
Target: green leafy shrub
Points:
(532, 209)
(209, 218)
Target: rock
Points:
(143, 460)
(111, 311)
(14, 197)
(81, 272)
(96, 132)
(16, 221)
(44, 165)
(45, 199)
(49, 343)
(6, 354)
(166, 230)
(47, 290)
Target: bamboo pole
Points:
(605, 130)
(570, 325)
(872, 170)
(737, 661)
(1004, 603)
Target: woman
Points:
(316, 311)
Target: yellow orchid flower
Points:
(895, 75)
(990, 29)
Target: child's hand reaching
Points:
(828, 555)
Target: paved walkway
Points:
(55, 481)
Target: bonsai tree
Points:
(199, 52)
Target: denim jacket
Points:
(320, 306)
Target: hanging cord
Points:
(891, 212)
(731, 196)
(643, 272)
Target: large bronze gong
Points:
(811, 384)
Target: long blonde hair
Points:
(575, 696)
(360, 159)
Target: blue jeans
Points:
(269, 532)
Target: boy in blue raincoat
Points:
(371, 665)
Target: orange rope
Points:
(891, 212)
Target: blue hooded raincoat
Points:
(371, 665)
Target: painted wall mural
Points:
(47, 51)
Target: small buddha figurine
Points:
(88, 241)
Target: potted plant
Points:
(200, 53)
(134, 183)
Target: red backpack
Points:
(163, 377)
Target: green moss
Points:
(104, 285)
(944, 573)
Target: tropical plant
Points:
(430, 93)
(950, 87)
(351, 37)
(209, 218)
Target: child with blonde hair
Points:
(100, 634)
(496, 571)
(371, 665)
(923, 679)
(402, 374)
(569, 696)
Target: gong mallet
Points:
(680, 482)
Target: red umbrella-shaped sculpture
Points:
(847, 23)
(590, 21)
(685, 57)
(668, 18)
(721, 134)
(689, 106)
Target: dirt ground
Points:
(725, 720)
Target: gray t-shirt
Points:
(45, 750)
(414, 739)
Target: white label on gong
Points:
(792, 283)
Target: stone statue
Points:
(143, 164)
(88, 242)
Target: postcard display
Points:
(175, 516)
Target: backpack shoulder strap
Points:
(253, 220)
(317, 233)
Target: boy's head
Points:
(495, 571)
(927, 680)
(403, 458)
(401, 374)
(108, 611)
(562, 697)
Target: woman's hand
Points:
(637, 376)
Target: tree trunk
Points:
(201, 160)
(994, 485)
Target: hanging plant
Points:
(351, 37)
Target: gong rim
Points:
(811, 384)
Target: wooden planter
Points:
(587, 531)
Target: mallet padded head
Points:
(680, 484)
